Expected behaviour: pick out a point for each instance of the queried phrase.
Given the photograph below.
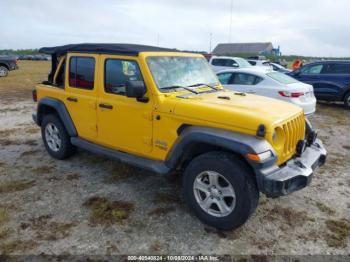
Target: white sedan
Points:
(271, 84)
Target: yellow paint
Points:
(132, 126)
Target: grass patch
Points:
(46, 230)
(161, 211)
(8, 142)
(29, 152)
(4, 217)
(339, 232)
(346, 147)
(14, 186)
(289, 216)
(4, 233)
(18, 245)
(73, 176)
(32, 130)
(41, 170)
(104, 211)
(30, 142)
(325, 209)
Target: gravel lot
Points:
(90, 204)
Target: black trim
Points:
(60, 109)
(148, 164)
(122, 49)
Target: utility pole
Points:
(210, 39)
(230, 32)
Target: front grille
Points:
(294, 131)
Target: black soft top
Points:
(123, 49)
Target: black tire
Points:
(234, 170)
(347, 100)
(66, 149)
(3, 71)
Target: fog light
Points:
(301, 146)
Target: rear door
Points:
(124, 123)
(81, 92)
(315, 75)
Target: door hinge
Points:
(148, 116)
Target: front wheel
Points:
(3, 71)
(347, 100)
(220, 189)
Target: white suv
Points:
(219, 63)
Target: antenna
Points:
(210, 38)
(230, 31)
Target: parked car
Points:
(330, 79)
(271, 84)
(165, 111)
(261, 63)
(280, 68)
(7, 63)
(219, 63)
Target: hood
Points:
(235, 111)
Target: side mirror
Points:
(235, 65)
(137, 90)
(296, 72)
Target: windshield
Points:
(242, 62)
(177, 71)
(282, 78)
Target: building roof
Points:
(241, 48)
(124, 49)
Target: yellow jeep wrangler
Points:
(165, 111)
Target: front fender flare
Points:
(232, 141)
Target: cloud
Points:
(299, 27)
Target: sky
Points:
(302, 27)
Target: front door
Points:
(123, 123)
(81, 92)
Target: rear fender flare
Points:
(61, 111)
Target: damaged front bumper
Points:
(295, 174)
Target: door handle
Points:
(72, 99)
(106, 106)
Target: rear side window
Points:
(118, 72)
(82, 72)
(253, 63)
(282, 78)
(245, 79)
(336, 69)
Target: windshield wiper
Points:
(201, 84)
(177, 87)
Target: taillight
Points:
(290, 94)
(34, 95)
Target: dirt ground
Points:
(90, 204)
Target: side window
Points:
(218, 62)
(82, 72)
(224, 78)
(336, 69)
(312, 69)
(253, 63)
(118, 72)
(246, 79)
(231, 63)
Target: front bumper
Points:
(295, 174)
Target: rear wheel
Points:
(220, 189)
(3, 71)
(347, 100)
(56, 138)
